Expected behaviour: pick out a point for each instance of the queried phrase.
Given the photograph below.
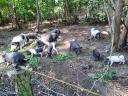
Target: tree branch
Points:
(71, 85)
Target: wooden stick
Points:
(63, 82)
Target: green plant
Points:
(33, 60)
(108, 76)
(61, 58)
(8, 50)
(24, 86)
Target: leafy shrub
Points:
(97, 18)
(101, 17)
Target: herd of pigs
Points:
(45, 45)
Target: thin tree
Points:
(15, 19)
(66, 10)
(37, 16)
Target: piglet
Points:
(75, 47)
(35, 52)
(96, 55)
(94, 34)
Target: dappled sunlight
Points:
(8, 26)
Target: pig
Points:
(19, 42)
(39, 43)
(75, 47)
(50, 49)
(104, 34)
(31, 35)
(16, 58)
(96, 55)
(35, 51)
(115, 59)
(47, 38)
(55, 30)
(94, 34)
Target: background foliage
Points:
(52, 9)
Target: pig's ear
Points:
(22, 36)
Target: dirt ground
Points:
(74, 71)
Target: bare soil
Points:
(74, 71)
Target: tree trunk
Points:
(107, 13)
(23, 84)
(124, 33)
(119, 37)
(15, 20)
(11, 15)
(37, 16)
(66, 11)
(122, 37)
(116, 24)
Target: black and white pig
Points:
(50, 37)
(19, 42)
(16, 58)
(35, 51)
(95, 34)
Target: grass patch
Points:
(108, 76)
(61, 58)
(8, 50)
